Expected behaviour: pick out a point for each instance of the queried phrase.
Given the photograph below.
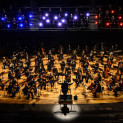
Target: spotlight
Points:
(30, 16)
(47, 21)
(112, 11)
(8, 26)
(96, 16)
(75, 17)
(40, 24)
(21, 25)
(2, 18)
(63, 20)
(19, 18)
(96, 22)
(46, 14)
(107, 24)
(55, 17)
(59, 24)
(120, 17)
(43, 17)
(87, 14)
(121, 24)
(30, 24)
(66, 14)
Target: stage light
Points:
(21, 25)
(55, 17)
(121, 24)
(2, 18)
(46, 14)
(66, 14)
(19, 18)
(87, 14)
(96, 17)
(107, 24)
(47, 21)
(63, 20)
(59, 24)
(112, 11)
(96, 22)
(40, 24)
(8, 26)
(30, 16)
(43, 17)
(75, 17)
(120, 17)
(30, 24)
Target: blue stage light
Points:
(30, 15)
(8, 26)
(19, 18)
(21, 25)
(30, 24)
(2, 18)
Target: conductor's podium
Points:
(67, 101)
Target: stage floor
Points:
(51, 97)
(27, 113)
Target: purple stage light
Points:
(43, 17)
(46, 14)
(40, 24)
(87, 14)
(75, 17)
(66, 14)
(63, 20)
(55, 17)
(59, 24)
(48, 21)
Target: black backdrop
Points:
(11, 41)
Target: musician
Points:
(101, 56)
(55, 72)
(73, 65)
(68, 61)
(4, 62)
(97, 89)
(64, 87)
(15, 90)
(88, 75)
(49, 54)
(1, 85)
(49, 66)
(120, 67)
(62, 65)
(10, 75)
(91, 56)
(69, 50)
(119, 87)
(11, 67)
(74, 54)
(14, 59)
(96, 67)
(85, 66)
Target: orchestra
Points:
(84, 65)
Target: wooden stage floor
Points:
(51, 97)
